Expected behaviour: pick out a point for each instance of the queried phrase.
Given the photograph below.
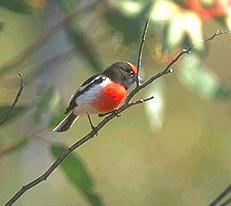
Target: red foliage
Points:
(207, 12)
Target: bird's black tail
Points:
(66, 123)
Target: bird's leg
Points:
(92, 126)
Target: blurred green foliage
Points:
(192, 74)
(1, 26)
(46, 103)
(16, 5)
(130, 13)
(17, 112)
(68, 6)
(78, 174)
(57, 115)
(79, 38)
(14, 146)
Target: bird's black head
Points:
(123, 73)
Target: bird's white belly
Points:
(85, 100)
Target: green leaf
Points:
(68, 6)
(58, 115)
(155, 108)
(47, 102)
(1, 26)
(16, 112)
(221, 20)
(206, 84)
(83, 44)
(128, 17)
(80, 38)
(119, 22)
(13, 146)
(222, 92)
(77, 173)
(16, 5)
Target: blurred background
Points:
(173, 150)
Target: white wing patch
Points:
(84, 101)
(91, 82)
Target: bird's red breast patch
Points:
(110, 97)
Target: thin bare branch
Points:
(168, 69)
(226, 202)
(221, 196)
(15, 100)
(140, 101)
(140, 55)
(102, 123)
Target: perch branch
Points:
(221, 196)
(15, 100)
(225, 203)
(102, 123)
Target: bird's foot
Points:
(116, 112)
(93, 128)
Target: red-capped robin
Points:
(100, 93)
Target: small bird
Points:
(101, 93)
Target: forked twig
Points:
(221, 196)
(15, 100)
(226, 202)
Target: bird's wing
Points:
(85, 86)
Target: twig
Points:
(101, 124)
(140, 55)
(28, 51)
(15, 100)
(221, 196)
(140, 101)
(168, 68)
(225, 203)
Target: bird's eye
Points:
(132, 73)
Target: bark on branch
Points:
(15, 100)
